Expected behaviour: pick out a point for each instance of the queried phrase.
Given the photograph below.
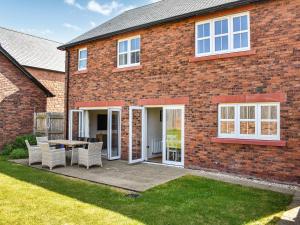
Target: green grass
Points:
(31, 196)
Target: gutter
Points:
(170, 19)
(67, 91)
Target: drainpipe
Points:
(67, 92)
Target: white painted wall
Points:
(154, 127)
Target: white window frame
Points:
(129, 51)
(82, 59)
(230, 35)
(257, 120)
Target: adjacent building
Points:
(41, 58)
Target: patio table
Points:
(70, 144)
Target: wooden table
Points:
(70, 144)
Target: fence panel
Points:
(49, 124)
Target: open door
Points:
(76, 124)
(114, 134)
(136, 134)
(173, 135)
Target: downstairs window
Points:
(249, 121)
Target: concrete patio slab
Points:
(137, 177)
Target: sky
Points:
(61, 20)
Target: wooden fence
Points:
(49, 124)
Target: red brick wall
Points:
(19, 99)
(55, 82)
(168, 70)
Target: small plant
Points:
(20, 141)
(7, 149)
(18, 147)
(18, 153)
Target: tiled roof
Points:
(25, 72)
(32, 51)
(155, 13)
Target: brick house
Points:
(21, 94)
(41, 58)
(200, 84)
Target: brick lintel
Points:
(248, 98)
(164, 101)
(112, 103)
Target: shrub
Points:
(7, 149)
(20, 141)
(19, 153)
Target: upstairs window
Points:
(129, 52)
(82, 59)
(223, 35)
(249, 121)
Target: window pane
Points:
(82, 64)
(135, 44)
(204, 46)
(247, 112)
(230, 112)
(223, 112)
(227, 112)
(237, 40)
(83, 54)
(218, 43)
(206, 30)
(268, 112)
(269, 128)
(236, 24)
(218, 27)
(224, 26)
(123, 46)
(227, 127)
(122, 59)
(221, 27)
(203, 30)
(221, 43)
(225, 43)
(273, 112)
(244, 40)
(247, 127)
(135, 57)
(244, 22)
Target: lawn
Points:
(31, 196)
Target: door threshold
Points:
(163, 164)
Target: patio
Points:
(118, 173)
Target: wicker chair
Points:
(41, 140)
(34, 152)
(52, 157)
(91, 156)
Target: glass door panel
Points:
(114, 134)
(173, 135)
(136, 134)
(76, 124)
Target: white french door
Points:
(173, 135)
(76, 120)
(136, 134)
(114, 134)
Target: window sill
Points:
(80, 72)
(249, 141)
(116, 70)
(223, 56)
